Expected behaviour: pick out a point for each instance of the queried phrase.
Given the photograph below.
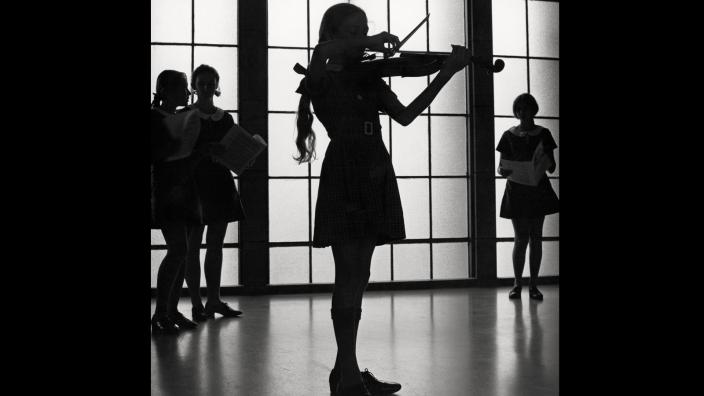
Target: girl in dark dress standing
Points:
(218, 196)
(174, 203)
(358, 204)
(527, 205)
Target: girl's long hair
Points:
(166, 79)
(305, 140)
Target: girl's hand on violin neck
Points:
(378, 42)
(458, 59)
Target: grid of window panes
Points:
(526, 37)
(430, 156)
(184, 35)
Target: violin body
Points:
(412, 64)
(415, 64)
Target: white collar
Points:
(217, 116)
(533, 132)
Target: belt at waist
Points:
(366, 130)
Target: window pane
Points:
(510, 83)
(323, 266)
(412, 262)
(157, 238)
(314, 183)
(554, 127)
(410, 148)
(288, 210)
(216, 21)
(450, 260)
(501, 125)
(556, 186)
(504, 227)
(230, 267)
(509, 27)
(283, 81)
(292, 14)
(232, 233)
(282, 146)
(453, 97)
(448, 136)
(544, 28)
(381, 264)
(317, 9)
(169, 57)
(377, 14)
(504, 263)
(224, 60)
(157, 256)
(405, 15)
(551, 226)
(446, 24)
(408, 88)
(544, 86)
(288, 265)
(550, 263)
(449, 208)
(416, 208)
(171, 21)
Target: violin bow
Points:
(411, 33)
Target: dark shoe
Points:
(535, 294)
(163, 325)
(222, 308)
(515, 293)
(377, 387)
(199, 314)
(355, 390)
(374, 386)
(183, 322)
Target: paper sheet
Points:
(241, 149)
(528, 172)
(185, 128)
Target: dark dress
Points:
(215, 185)
(358, 196)
(520, 200)
(174, 197)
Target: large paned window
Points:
(430, 156)
(184, 35)
(526, 37)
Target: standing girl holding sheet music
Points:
(524, 204)
(358, 205)
(218, 196)
(174, 204)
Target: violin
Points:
(417, 63)
(412, 64)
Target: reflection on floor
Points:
(472, 341)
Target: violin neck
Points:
(423, 53)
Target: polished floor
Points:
(472, 341)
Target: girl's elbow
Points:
(404, 119)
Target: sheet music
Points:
(241, 149)
(528, 172)
(185, 128)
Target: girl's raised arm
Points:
(404, 115)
